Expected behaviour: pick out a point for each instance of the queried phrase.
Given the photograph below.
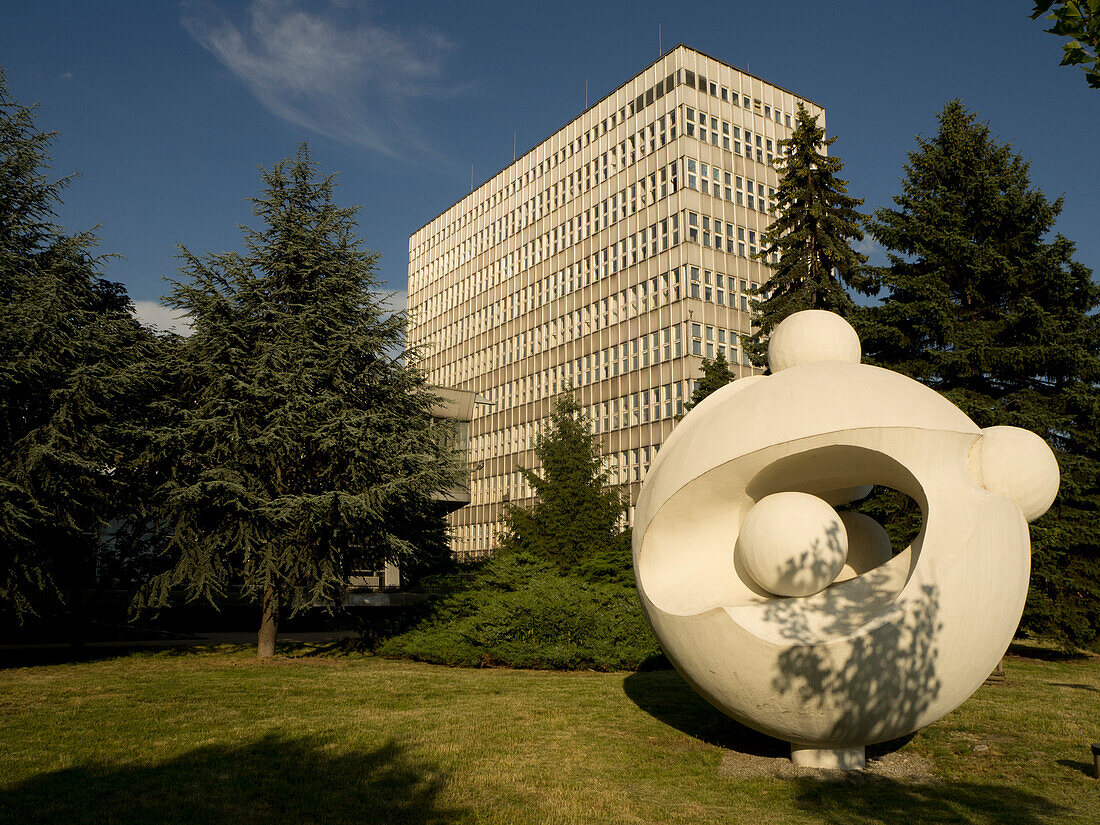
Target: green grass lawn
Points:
(214, 736)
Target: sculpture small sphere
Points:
(1017, 464)
(812, 335)
(792, 544)
(868, 545)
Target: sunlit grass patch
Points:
(327, 735)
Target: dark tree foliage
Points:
(980, 306)
(559, 592)
(518, 610)
(716, 374)
(70, 379)
(808, 246)
(1079, 20)
(575, 522)
(304, 446)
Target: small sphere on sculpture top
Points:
(1017, 463)
(812, 335)
(792, 544)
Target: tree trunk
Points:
(269, 624)
(76, 620)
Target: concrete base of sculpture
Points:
(797, 618)
(836, 759)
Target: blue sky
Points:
(166, 109)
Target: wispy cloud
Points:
(875, 252)
(157, 315)
(334, 71)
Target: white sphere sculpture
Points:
(812, 335)
(1016, 463)
(792, 544)
(896, 640)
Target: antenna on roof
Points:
(513, 147)
(471, 177)
(660, 49)
(586, 93)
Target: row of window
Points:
(610, 362)
(731, 96)
(622, 467)
(717, 182)
(730, 138)
(645, 296)
(702, 229)
(710, 342)
(638, 299)
(716, 288)
(617, 158)
(710, 179)
(609, 123)
(632, 410)
(632, 199)
(635, 248)
(723, 236)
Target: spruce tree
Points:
(576, 519)
(716, 374)
(808, 245)
(70, 381)
(304, 447)
(982, 306)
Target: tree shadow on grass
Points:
(293, 780)
(36, 656)
(852, 799)
(871, 800)
(1045, 653)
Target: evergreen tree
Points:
(305, 447)
(69, 380)
(808, 246)
(576, 519)
(979, 306)
(716, 374)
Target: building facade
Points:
(610, 258)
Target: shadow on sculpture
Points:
(275, 778)
(887, 681)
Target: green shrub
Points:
(519, 611)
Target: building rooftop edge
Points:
(587, 109)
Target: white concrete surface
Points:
(900, 642)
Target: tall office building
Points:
(610, 258)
